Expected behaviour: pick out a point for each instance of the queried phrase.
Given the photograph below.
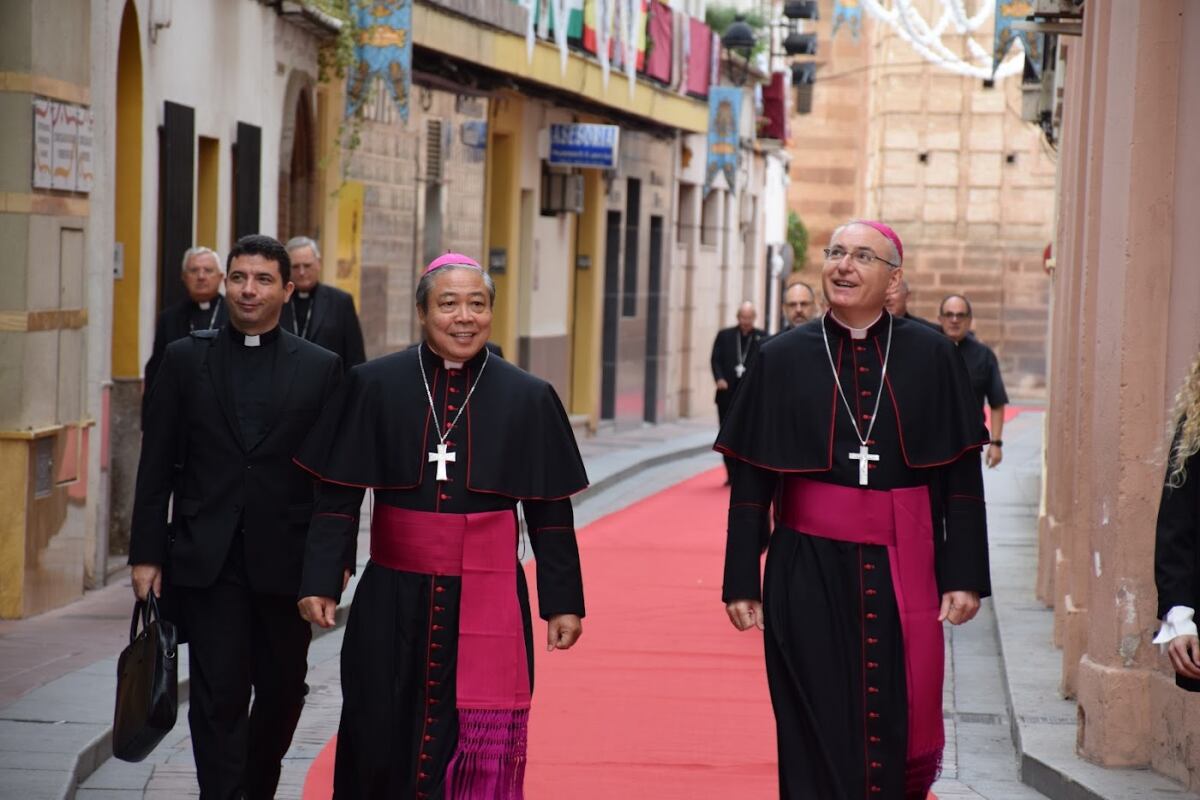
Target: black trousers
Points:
(241, 640)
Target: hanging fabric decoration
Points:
(847, 12)
(1008, 12)
(724, 113)
(383, 50)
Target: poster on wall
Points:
(84, 167)
(43, 154)
(724, 110)
(64, 122)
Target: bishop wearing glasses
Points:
(877, 537)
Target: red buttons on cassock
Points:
(875, 790)
(876, 765)
(444, 496)
(428, 738)
(452, 408)
(453, 390)
(872, 715)
(868, 567)
(437, 627)
(432, 683)
(865, 393)
(872, 640)
(860, 348)
(434, 646)
(874, 740)
(425, 756)
(866, 416)
(871, 592)
(439, 589)
(863, 369)
(872, 690)
(439, 609)
(435, 664)
(872, 615)
(872, 665)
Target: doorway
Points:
(653, 321)
(611, 324)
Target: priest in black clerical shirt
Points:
(879, 533)
(956, 316)
(201, 310)
(732, 354)
(224, 418)
(319, 312)
(437, 658)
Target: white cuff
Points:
(1178, 622)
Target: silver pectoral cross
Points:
(442, 457)
(739, 370)
(862, 457)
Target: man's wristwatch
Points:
(997, 442)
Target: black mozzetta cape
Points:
(519, 441)
(790, 396)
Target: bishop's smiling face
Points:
(457, 316)
(854, 289)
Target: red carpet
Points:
(661, 699)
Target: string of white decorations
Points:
(926, 39)
(617, 25)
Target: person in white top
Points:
(1177, 542)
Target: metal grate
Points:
(433, 150)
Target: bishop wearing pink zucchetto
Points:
(436, 660)
(878, 535)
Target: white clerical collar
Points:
(856, 333)
(452, 364)
(252, 340)
(205, 305)
(303, 295)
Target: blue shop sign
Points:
(584, 145)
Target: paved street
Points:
(58, 703)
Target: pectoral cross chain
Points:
(442, 457)
(862, 457)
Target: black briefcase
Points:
(147, 684)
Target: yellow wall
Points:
(589, 297)
(14, 497)
(208, 171)
(128, 197)
(347, 262)
(503, 201)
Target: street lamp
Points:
(739, 38)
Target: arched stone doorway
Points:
(298, 164)
(125, 397)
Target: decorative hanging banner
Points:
(848, 12)
(383, 51)
(1008, 12)
(724, 110)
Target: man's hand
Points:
(722, 384)
(959, 607)
(146, 577)
(345, 579)
(562, 631)
(1185, 656)
(995, 454)
(318, 610)
(746, 614)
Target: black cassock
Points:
(832, 625)
(513, 444)
(1177, 546)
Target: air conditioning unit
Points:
(562, 193)
(1058, 8)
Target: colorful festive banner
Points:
(724, 111)
(383, 50)
(849, 12)
(1008, 12)
(660, 31)
(699, 57)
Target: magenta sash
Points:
(899, 519)
(492, 678)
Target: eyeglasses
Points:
(956, 315)
(862, 256)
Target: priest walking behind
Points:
(733, 352)
(437, 666)
(879, 535)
